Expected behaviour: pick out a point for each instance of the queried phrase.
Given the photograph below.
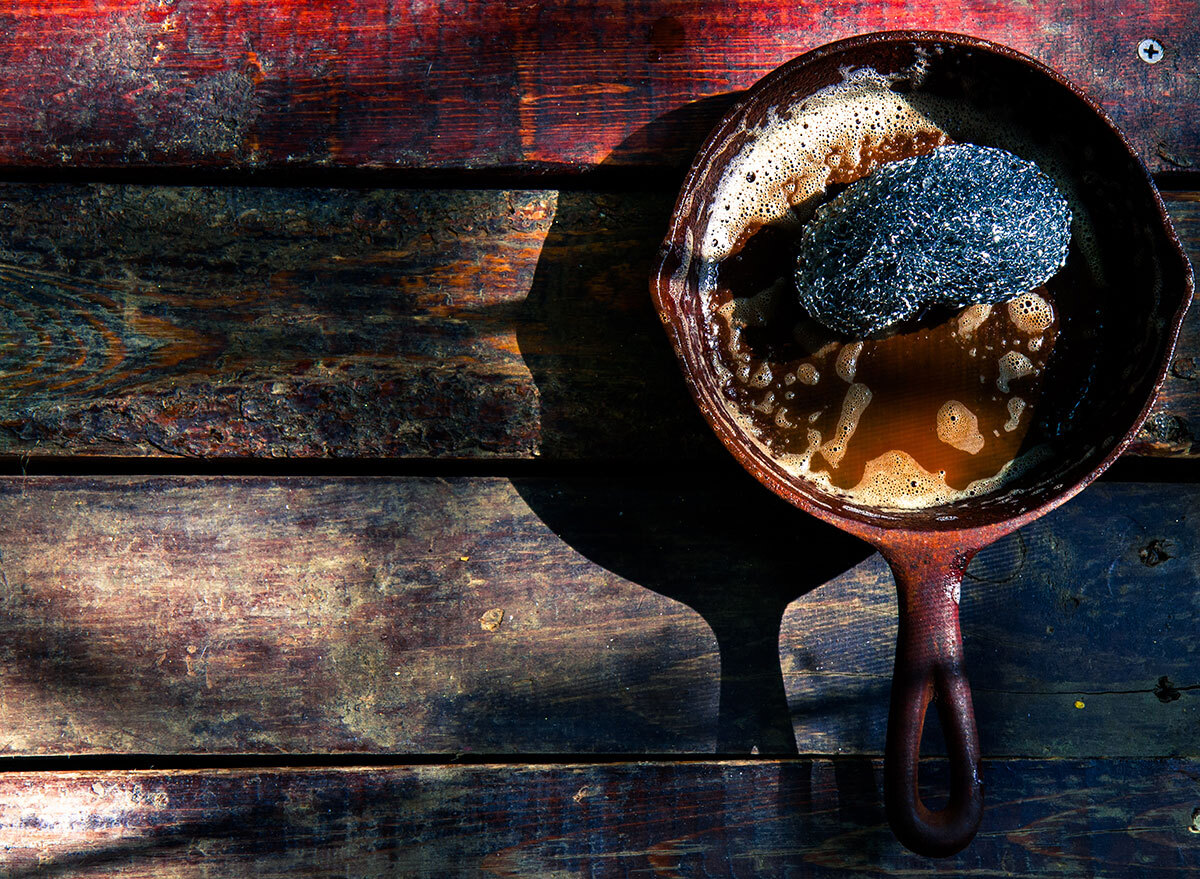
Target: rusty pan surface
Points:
(1105, 377)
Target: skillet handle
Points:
(929, 667)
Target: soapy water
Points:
(848, 416)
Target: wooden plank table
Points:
(354, 519)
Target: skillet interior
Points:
(1129, 279)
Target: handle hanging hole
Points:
(933, 770)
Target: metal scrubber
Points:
(960, 225)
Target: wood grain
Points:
(303, 615)
(324, 323)
(267, 323)
(1070, 634)
(813, 817)
(174, 616)
(1173, 428)
(499, 84)
(213, 621)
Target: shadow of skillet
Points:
(675, 514)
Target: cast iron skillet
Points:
(1107, 366)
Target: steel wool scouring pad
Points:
(960, 225)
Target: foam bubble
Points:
(1013, 365)
(958, 427)
(895, 480)
(846, 364)
(756, 310)
(814, 443)
(748, 311)
(1030, 314)
(790, 166)
(789, 159)
(798, 463)
(1014, 468)
(972, 318)
(720, 370)
(762, 376)
(858, 396)
(1015, 407)
(766, 405)
(808, 374)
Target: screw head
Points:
(1150, 51)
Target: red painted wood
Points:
(516, 84)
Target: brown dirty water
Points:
(955, 394)
(938, 409)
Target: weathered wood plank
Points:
(334, 323)
(806, 817)
(507, 84)
(176, 616)
(267, 322)
(1071, 629)
(1173, 428)
(301, 615)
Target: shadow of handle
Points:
(929, 667)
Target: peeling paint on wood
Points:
(498, 84)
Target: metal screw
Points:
(1150, 51)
